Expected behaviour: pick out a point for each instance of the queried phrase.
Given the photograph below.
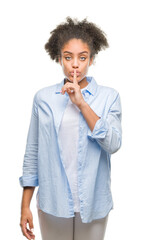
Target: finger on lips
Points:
(74, 77)
(74, 81)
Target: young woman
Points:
(75, 126)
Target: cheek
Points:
(64, 65)
(85, 69)
(66, 68)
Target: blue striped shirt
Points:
(43, 164)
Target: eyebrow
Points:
(72, 53)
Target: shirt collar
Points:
(90, 88)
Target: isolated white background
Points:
(25, 68)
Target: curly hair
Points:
(88, 32)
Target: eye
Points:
(67, 58)
(84, 58)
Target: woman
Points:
(75, 127)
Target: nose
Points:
(75, 63)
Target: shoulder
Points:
(108, 92)
(45, 92)
(108, 96)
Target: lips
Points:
(77, 73)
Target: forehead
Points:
(75, 45)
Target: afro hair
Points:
(88, 32)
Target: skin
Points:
(74, 62)
(26, 214)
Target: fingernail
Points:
(32, 230)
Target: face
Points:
(75, 54)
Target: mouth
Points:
(77, 73)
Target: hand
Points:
(75, 95)
(26, 217)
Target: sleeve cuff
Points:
(100, 129)
(28, 181)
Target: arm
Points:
(29, 180)
(26, 214)
(26, 197)
(89, 115)
(106, 131)
(30, 163)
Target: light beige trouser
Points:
(59, 228)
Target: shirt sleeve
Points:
(108, 131)
(30, 171)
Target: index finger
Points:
(74, 77)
